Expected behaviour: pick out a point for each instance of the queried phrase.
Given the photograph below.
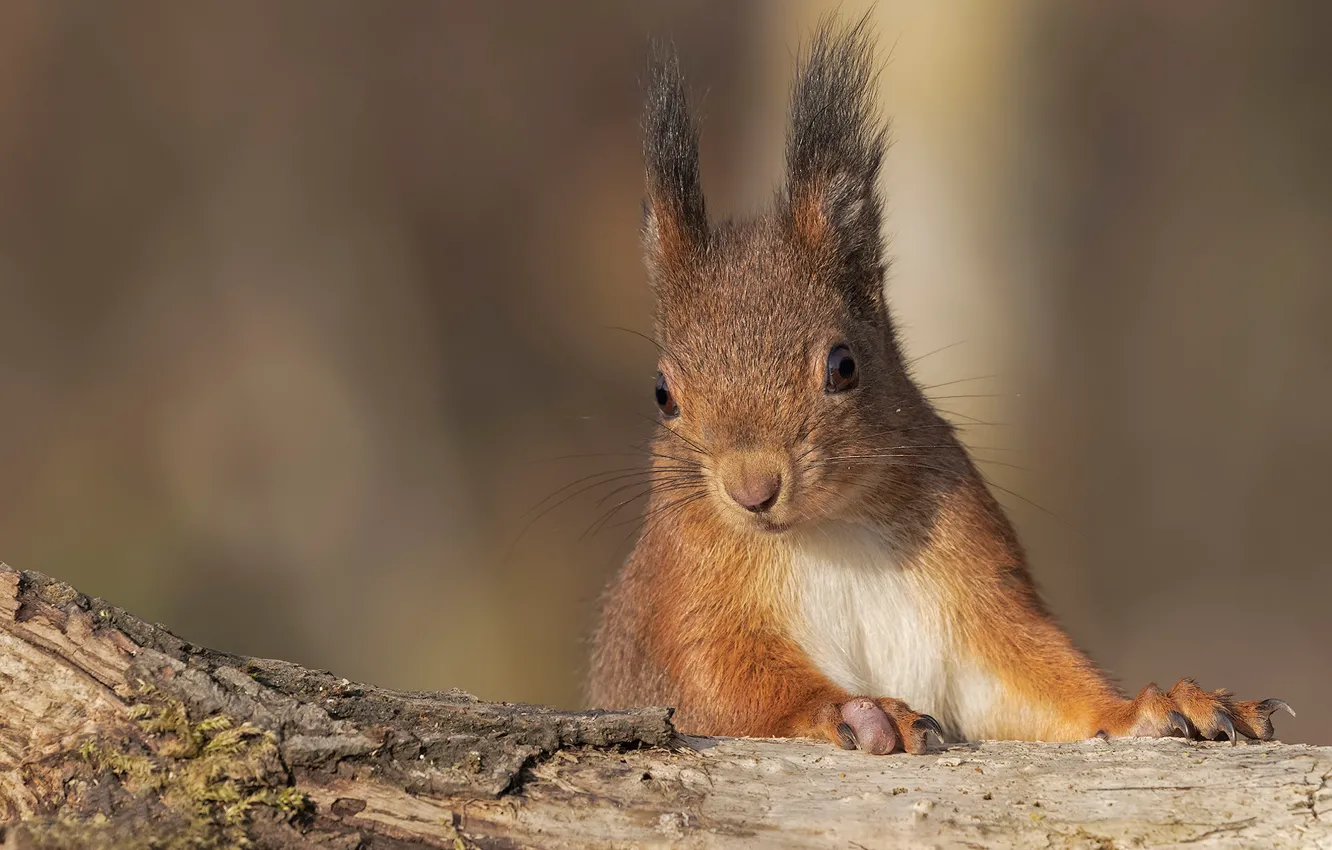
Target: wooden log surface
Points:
(117, 733)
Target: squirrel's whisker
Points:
(652, 520)
(585, 455)
(660, 348)
(602, 479)
(661, 484)
(681, 437)
(973, 420)
(608, 474)
(920, 357)
(605, 517)
(958, 381)
(697, 487)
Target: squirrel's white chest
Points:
(870, 625)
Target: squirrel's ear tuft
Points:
(675, 223)
(834, 150)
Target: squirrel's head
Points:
(780, 376)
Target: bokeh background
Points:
(304, 305)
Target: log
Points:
(117, 733)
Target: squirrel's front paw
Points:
(1190, 712)
(879, 726)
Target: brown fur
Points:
(705, 613)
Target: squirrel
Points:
(820, 556)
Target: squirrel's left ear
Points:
(675, 223)
(833, 154)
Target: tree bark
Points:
(117, 733)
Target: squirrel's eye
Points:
(842, 372)
(665, 400)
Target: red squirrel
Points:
(820, 556)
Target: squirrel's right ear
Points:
(675, 223)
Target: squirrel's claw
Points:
(1177, 723)
(1254, 719)
(846, 736)
(1269, 706)
(925, 723)
(1224, 726)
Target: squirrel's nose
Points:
(757, 493)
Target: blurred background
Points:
(305, 305)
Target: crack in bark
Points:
(1237, 826)
(1314, 793)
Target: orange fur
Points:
(716, 637)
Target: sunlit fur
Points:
(885, 568)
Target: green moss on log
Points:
(167, 783)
